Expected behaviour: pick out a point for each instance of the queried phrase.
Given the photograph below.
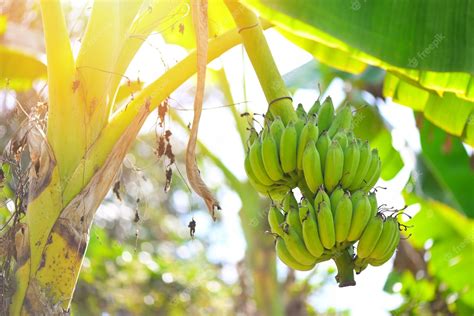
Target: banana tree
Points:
(76, 152)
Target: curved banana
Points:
(293, 220)
(325, 115)
(373, 204)
(342, 121)
(325, 225)
(388, 254)
(288, 148)
(360, 265)
(312, 170)
(314, 109)
(275, 220)
(310, 230)
(300, 112)
(299, 125)
(341, 138)
(375, 177)
(351, 162)
(296, 247)
(387, 237)
(343, 218)
(276, 129)
(270, 157)
(335, 197)
(256, 163)
(289, 202)
(323, 145)
(369, 238)
(371, 171)
(309, 132)
(363, 167)
(260, 187)
(285, 256)
(334, 166)
(356, 196)
(360, 218)
(320, 197)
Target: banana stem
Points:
(262, 61)
(345, 268)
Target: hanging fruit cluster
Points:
(335, 172)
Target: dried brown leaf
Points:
(199, 10)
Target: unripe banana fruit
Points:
(338, 216)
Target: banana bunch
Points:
(338, 217)
(317, 230)
(318, 148)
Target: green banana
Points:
(357, 196)
(322, 145)
(314, 109)
(252, 177)
(371, 171)
(360, 265)
(299, 125)
(326, 225)
(325, 115)
(389, 252)
(320, 197)
(351, 162)
(310, 230)
(293, 220)
(350, 137)
(285, 256)
(360, 218)
(312, 167)
(300, 112)
(336, 196)
(387, 237)
(276, 129)
(364, 164)
(309, 132)
(370, 236)
(375, 177)
(342, 121)
(275, 220)
(341, 138)
(270, 157)
(288, 148)
(296, 247)
(334, 166)
(343, 218)
(256, 163)
(373, 204)
(289, 202)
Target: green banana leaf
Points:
(419, 43)
(335, 58)
(18, 69)
(388, 30)
(369, 125)
(443, 170)
(451, 254)
(449, 112)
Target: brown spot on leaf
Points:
(75, 85)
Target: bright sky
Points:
(228, 244)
